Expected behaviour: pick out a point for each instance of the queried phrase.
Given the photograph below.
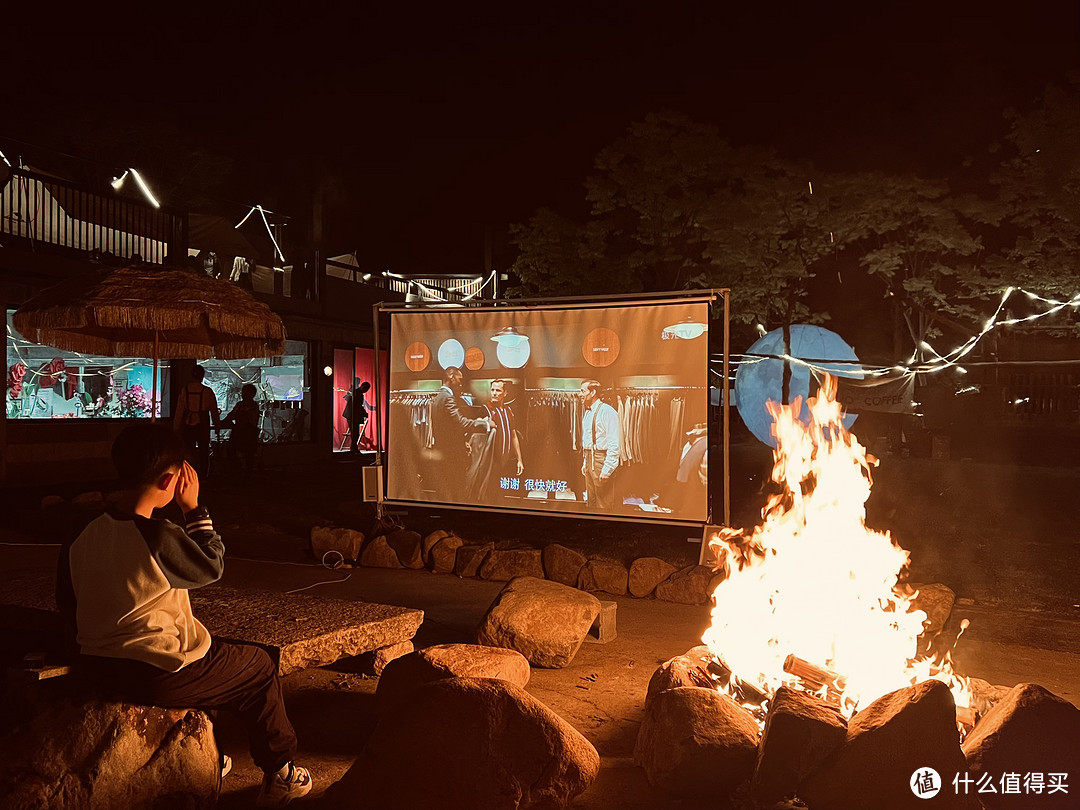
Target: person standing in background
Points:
(196, 412)
(355, 412)
(601, 443)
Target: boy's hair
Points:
(143, 452)
(197, 373)
(248, 391)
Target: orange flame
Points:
(813, 581)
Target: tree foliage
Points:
(674, 206)
(1038, 183)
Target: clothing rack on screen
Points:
(414, 406)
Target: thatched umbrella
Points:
(153, 312)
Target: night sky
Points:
(430, 124)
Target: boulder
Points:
(688, 586)
(801, 732)
(378, 554)
(897, 735)
(50, 501)
(347, 542)
(450, 661)
(544, 621)
(1029, 731)
(406, 544)
(443, 556)
(468, 744)
(562, 564)
(646, 573)
(376, 661)
(91, 498)
(430, 541)
(936, 601)
(65, 750)
(985, 695)
(501, 566)
(470, 557)
(603, 575)
(682, 670)
(696, 744)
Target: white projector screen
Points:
(511, 428)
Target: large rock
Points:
(406, 544)
(468, 744)
(504, 565)
(67, 751)
(688, 586)
(936, 601)
(346, 542)
(1028, 731)
(562, 564)
(682, 670)
(430, 541)
(696, 744)
(470, 558)
(378, 554)
(404, 674)
(544, 621)
(801, 732)
(646, 573)
(374, 662)
(603, 575)
(898, 734)
(986, 695)
(443, 556)
(301, 629)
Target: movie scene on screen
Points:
(598, 410)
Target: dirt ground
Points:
(1000, 536)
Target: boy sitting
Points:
(122, 586)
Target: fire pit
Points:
(818, 638)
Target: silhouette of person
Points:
(356, 412)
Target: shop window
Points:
(48, 383)
(282, 390)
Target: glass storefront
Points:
(351, 369)
(282, 390)
(47, 383)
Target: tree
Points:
(921, 243)
(651, 186)
(1039, 185)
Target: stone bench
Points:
(301, 630)
(304, 630)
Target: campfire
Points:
(813, 598)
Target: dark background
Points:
(421, 125)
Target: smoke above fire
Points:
(812, 582)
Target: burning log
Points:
(720, 672)
(813, 675)
(748, 693)
(965, 716)
(815, 678)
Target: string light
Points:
(117, 182)
(266, 223)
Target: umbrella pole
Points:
(153, 391)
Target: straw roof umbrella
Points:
(146, 311)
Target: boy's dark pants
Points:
(234, 676)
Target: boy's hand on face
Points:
(187, 488)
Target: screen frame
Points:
(709, 296)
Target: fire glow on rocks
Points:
(812, 586)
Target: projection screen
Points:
(599, 410)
